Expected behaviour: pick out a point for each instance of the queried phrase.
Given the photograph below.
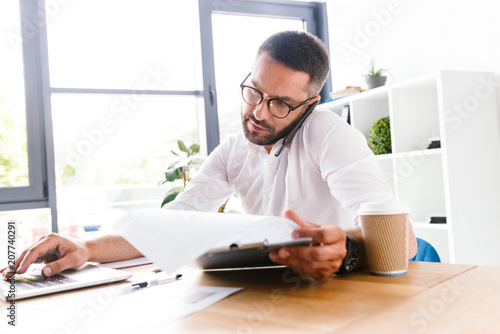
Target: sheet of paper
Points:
(107, 309)
(155, 309)
(272, 230)
(171, 238)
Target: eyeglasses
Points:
(277, 108)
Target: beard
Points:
(269, 139)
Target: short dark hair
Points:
(299, 51)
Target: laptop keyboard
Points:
(33, 279)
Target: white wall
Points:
(411, 37)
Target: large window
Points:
(95, 94)
(13, 139)
(22, 160)
(122, 95)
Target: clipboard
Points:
(245, 256)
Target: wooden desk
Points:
(434, 298)
(431, 298)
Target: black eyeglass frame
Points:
(290, 108)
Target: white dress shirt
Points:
(324, 174)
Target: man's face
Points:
(275, 81)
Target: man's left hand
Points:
(320, 260)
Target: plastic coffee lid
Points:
(381, 208)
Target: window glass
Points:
(13, 143)
(117, 43)
(112, 150)
(236, 40)
(30, 226)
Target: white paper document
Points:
(155, 309)
(108, 309)
(173, 238)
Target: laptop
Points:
(32, 283)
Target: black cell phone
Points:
(288, 138)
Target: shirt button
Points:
(267, 199)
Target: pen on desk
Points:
(156, 281)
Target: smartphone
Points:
(288, 138)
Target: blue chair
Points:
(425, 252)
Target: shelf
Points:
(429, 226)
(420, 182)
(414, 118)
(386, 165)
(426, 152)
(375, 94)
(438, 238)
(383, 157)
(338, 103)
(365, 112)
(424, 82)
(458, 180)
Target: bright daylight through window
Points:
(115, 113)
(13, 142)
(95, 95)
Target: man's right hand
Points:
(60, 253)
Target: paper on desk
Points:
(107, 310)
(155, 309)
(173, 238)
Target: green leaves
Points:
(380, 137)
(171, 195)
(195, 162)
(195, 148)
(372, 72)
(192, 150)
(174, 174)
(182, 146)
(181, 169)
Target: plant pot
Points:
(376, 81)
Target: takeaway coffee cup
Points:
(385, 228)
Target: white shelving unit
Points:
(460, 180)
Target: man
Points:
(318, 178)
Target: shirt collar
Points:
(260, 151)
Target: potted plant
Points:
(374, 77)
(181, 169)
(379, 140)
